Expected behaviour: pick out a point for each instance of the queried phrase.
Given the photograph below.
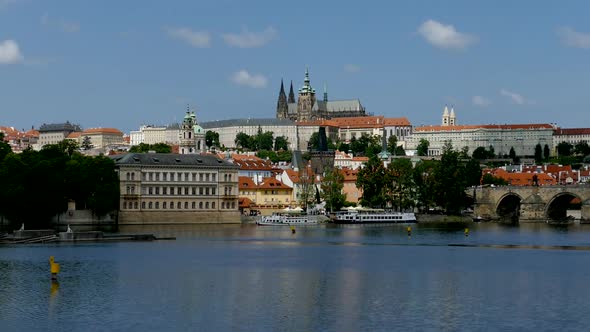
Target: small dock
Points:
(49, 236)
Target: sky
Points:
(122, 64)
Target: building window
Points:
(194, 190)
(207, 191)
(213, 205)
(193, 205)
(128, 176)
(157, 205)
(201, 177)
(200, 190)
(206, 205)
(124, 205)
(178, 205)
(200, 205)
(135, 205)
(222, 205)
(186, 205)
(213, 191)
(157, 190)
(163, 205)
(213, 177)
(150, 190)
(207, 177)
(149, 205)
(171, 205)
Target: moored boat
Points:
(287, 219)
(372, 216)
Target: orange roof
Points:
(350, 175)
(490, 126)
(572, 131)
(360, 122)
(361, 159)
(522, 179)
(245, 182)
(253, 164)
(322, 123)
(112, 131)
(272, 183)
(32, 133)
(74, 134)
(245, 202)
(403, 121)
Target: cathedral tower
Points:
(282, 107)
(306, 100)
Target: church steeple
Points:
(325, 93)
(291, 99)
(282, 108)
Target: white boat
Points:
(372, 216)
(287, 219)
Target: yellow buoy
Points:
(409, 229)
(292, 229)
(466, 231)
(53, 267)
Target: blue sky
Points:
(126, 63)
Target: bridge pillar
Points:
(532, 208)
(485, 204)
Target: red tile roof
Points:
(571, 131)
(490, 126)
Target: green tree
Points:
(582, 149)
(490, 179)
(4, 147)
(449, 190)
(242, 140)
(370, 181)
(538, 153)
(399, 184)
(86, 143)
(281, 143)
(546, 152)
(564, 149)
(145, 148)
(480, 153)
(265, 141)
(211, 138)
(332, 185)
(424, 180)
(512, 154)
(422, 148)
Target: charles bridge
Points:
(530, 203)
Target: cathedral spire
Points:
(291, 94)
(282, 108)
(325, 92)
(282, 92)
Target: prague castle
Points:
(308, 108)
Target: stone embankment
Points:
(49, 235)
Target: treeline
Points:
(428, 184)
(267, 146)
(365, 145)
(37, 185)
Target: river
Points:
(322, 278)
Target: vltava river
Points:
(323, 278)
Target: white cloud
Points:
(242, 77)
(201, 39)
(515, 97)
(573, 38)
(9, 52)
(61, 24)
(444, 36)
(351, 68)
(480, 101)
(247, 39)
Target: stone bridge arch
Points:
(557, 206)
(531, 203)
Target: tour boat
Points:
(372, 216)
(287, 219)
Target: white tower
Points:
(452, 117)
(187, 136)
(445, 117)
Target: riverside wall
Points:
(178, 217)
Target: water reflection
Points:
(243, 277)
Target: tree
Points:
(86, 143)
(281, 143)
(4, 147)
(370, 180)
(393, 148)
(423, 178)
(538, 153)
(332, 186)
(422, 148)
(564, 149)
(145, 148)
(480, 153)
(582, 149)
(512, 154)
(490, 179)
(211, 138)
(242, 140)
(449, 190)
(399, 184)
(546, 152)
(472, 173)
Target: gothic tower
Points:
(306, 100)
(291, 95)
(452, 117)
(282, 107)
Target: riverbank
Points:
(51, 236)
